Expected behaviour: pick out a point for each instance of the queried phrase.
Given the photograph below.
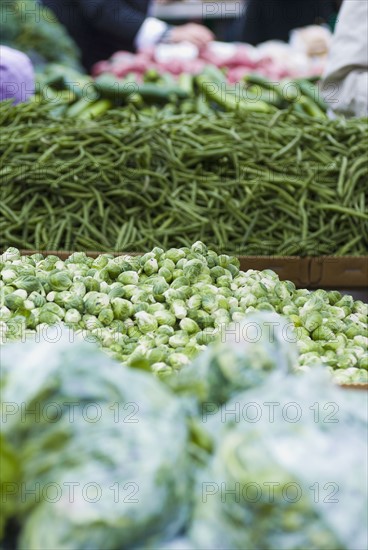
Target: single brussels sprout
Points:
(59, 281)
(5, 313)
(13, 301)
(21, 293)
(179, 339)
(165, 317)
(312, 321)
(49, 318)
(11, 254)
(28, 283)
(122, 309)
(129, 291)
(91, 284)
(165, 329)
(72, 316)
(95, 301)
(209, 303)
(117, 290)
(152, 308)
(177, 273)
(9, 275)
(199, 248)
(178, 308)
(166, 274)
(146, 322)
(178, 360)
(192, 269)
(140, 306)
(128, 278)
(194, 302)
(264, 306)
(106, 316)
(189, 326)
(37, 299)
(150, 266)
(159, 289)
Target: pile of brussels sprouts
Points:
(159, 310)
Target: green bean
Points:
(232, 180)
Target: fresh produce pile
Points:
(244, 183)
(274, 60)
(29, 26)
(159, 310)
(76, 95)
(96, 455)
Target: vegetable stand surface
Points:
(159, 310)
(247, 184)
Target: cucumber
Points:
(156, 92)
(115, 89)
(312, 92)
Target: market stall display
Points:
(160, 470)
(163, 222)
(159, 310)
(243, 183)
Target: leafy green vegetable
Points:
(97, 424)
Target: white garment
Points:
(345, 82)
(150, 33)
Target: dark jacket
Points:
(100, 27)
(274, 19)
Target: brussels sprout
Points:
(95, 301)
(146, 322)
(194, 302)
(209, 302)
(72, 316)
(166, 274)
(59, 281)
(140, 306)
(150, 266)
(28, 283)
(178, 360)
(128, 278)
(313, 321)
(37, 299)
(5, 313)
(158, 306)
(165, 329)
(122, 309)
(192, 269)
(91, 284)
(10, 255)
(49, 318)
(178, 308)
(13, 301)
(159, 289)
(179, 339)
(199, 248)
(9, 275)
(165, 317)
(189, 326)
(106, 316)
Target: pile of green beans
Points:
(244, 183)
